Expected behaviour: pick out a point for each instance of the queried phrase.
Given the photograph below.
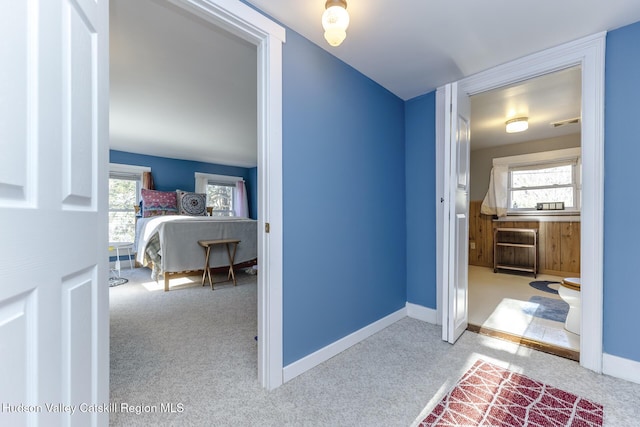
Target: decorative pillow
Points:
(192, 203)
(158, 203)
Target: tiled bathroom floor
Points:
(500, 302)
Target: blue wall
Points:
(622, 153)
(173, 174)
(252, 193)
(420, 158)
(344, 200)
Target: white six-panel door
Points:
(457, 134)
(53, 220)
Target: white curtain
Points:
(495, 202)
(241, 205)
(201, 183)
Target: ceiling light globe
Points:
(517, 125)
(335, 17)
(335, 36)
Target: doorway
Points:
(244, 22)
(511, 302)
(589, 54)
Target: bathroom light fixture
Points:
(335, 21)
(518, 124)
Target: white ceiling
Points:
(179, 87)
(411, 47)
(175, 91)
(544, 100)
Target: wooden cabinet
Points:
(515, 249)
(558, 242)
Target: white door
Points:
(53, 222)
(456, 152)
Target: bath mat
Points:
(489, 395)
(543, 285)
(547, 308)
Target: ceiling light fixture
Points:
(518, 124)
(335, 21)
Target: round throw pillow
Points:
(192, 203)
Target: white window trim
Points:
(120, 167)
(202, 179)
(222, 179)
(550, 156)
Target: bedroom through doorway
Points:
(254, 31)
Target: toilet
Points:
(569, 291)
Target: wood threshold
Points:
(527, 342)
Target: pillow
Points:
(192, 203)
(158, 203)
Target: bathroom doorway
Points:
(512, 303)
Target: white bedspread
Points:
(178, 235)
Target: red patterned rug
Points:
(488, 395)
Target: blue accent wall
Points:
(252, 192)
(622, 153)
(344, 200)
(420, 158)
(174, 174)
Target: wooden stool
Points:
(207, 245)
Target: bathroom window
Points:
(543, 183)
(544, 186)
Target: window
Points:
(547, 183)
(523, 184)
(220, 197)
(124, 194)
(222, 194)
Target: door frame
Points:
(268, 37)
(589, 53)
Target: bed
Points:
(169, 243)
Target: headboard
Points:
(136, 208)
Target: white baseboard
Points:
(619, 367)
(314, 359)
(423, 313)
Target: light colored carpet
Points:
(196, 348)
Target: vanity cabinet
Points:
(515, 249)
